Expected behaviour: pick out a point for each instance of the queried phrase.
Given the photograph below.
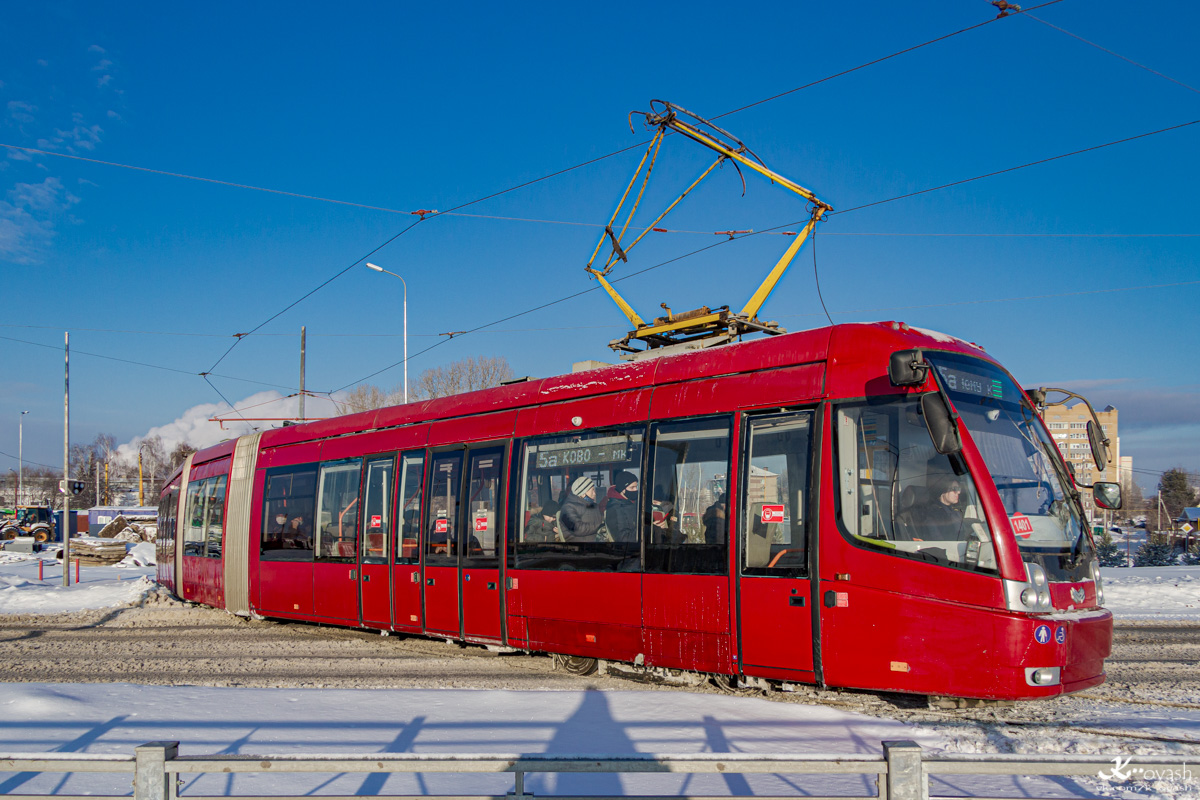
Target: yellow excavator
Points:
(32, 521)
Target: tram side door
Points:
(441, 543)
(375, 541)
(481, 544)
(774, 590)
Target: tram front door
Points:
(775, 612)
(463, 543)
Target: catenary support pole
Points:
(302, 336)
(66, 517)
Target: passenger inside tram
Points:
(543, 524)
(620, 511)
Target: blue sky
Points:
(409, 106)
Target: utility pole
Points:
(20, 455)
(302, 373)
(66, 458)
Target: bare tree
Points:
(365, 397)
(468, 375)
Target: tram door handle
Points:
(796, 601)
(429, 581)
(353, 574)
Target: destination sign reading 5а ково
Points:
(596, 451)
(960, 380)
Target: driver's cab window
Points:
(897, 494)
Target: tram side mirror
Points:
(1106, 495)
(908, 368)
(940, 423)
(1096, 440)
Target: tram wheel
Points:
(578, 665)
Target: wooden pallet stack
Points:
(95, 553)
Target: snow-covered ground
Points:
(114, 718)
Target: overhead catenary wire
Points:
(1112, 52)
(518, 186)
(76, 352)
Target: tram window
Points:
(214, 517)
(898, 495)
(689, 467)
(570, 513)
(377, 508)
(193, 534)
(441, 525)
(408, 499)
(288, 514)
(483, 506)
(337, 510)
(773, 529)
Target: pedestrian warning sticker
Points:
(441, 526)
(1021, 525)
(772, 513)
(1042, 634)
(376, 521)
(481, 524)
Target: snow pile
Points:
(21, 596)
(140, 555)
(1152, 592)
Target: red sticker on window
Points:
(1021, 525)
(376, 521)
(441, 526)
(481, 524)
(772, 513)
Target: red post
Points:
(77, 570)
(40, 564)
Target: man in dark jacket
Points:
(581, 517)
(939, 518)
(620, 512)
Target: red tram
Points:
(864, 505)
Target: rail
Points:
(902, 772)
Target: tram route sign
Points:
(609, 450)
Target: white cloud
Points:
(20, 111)
(19, 155)
(27, 218)
(41, 62)
(104, 80)
(96, 49)
(194, 428)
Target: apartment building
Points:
(1068, 425)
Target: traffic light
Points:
(74, 487)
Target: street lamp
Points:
(381, 269)
(20, 455)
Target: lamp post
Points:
(20, 455)
(381, 269)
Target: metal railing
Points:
(902, 772)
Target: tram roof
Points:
(857, 348)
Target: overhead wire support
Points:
(702, 327)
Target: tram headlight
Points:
(1029, 597)
(1043, 598)
(1037, 575)
(1042, 676)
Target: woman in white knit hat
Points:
(581, 517)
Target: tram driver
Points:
(939, 517)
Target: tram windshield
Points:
(1022, 459)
